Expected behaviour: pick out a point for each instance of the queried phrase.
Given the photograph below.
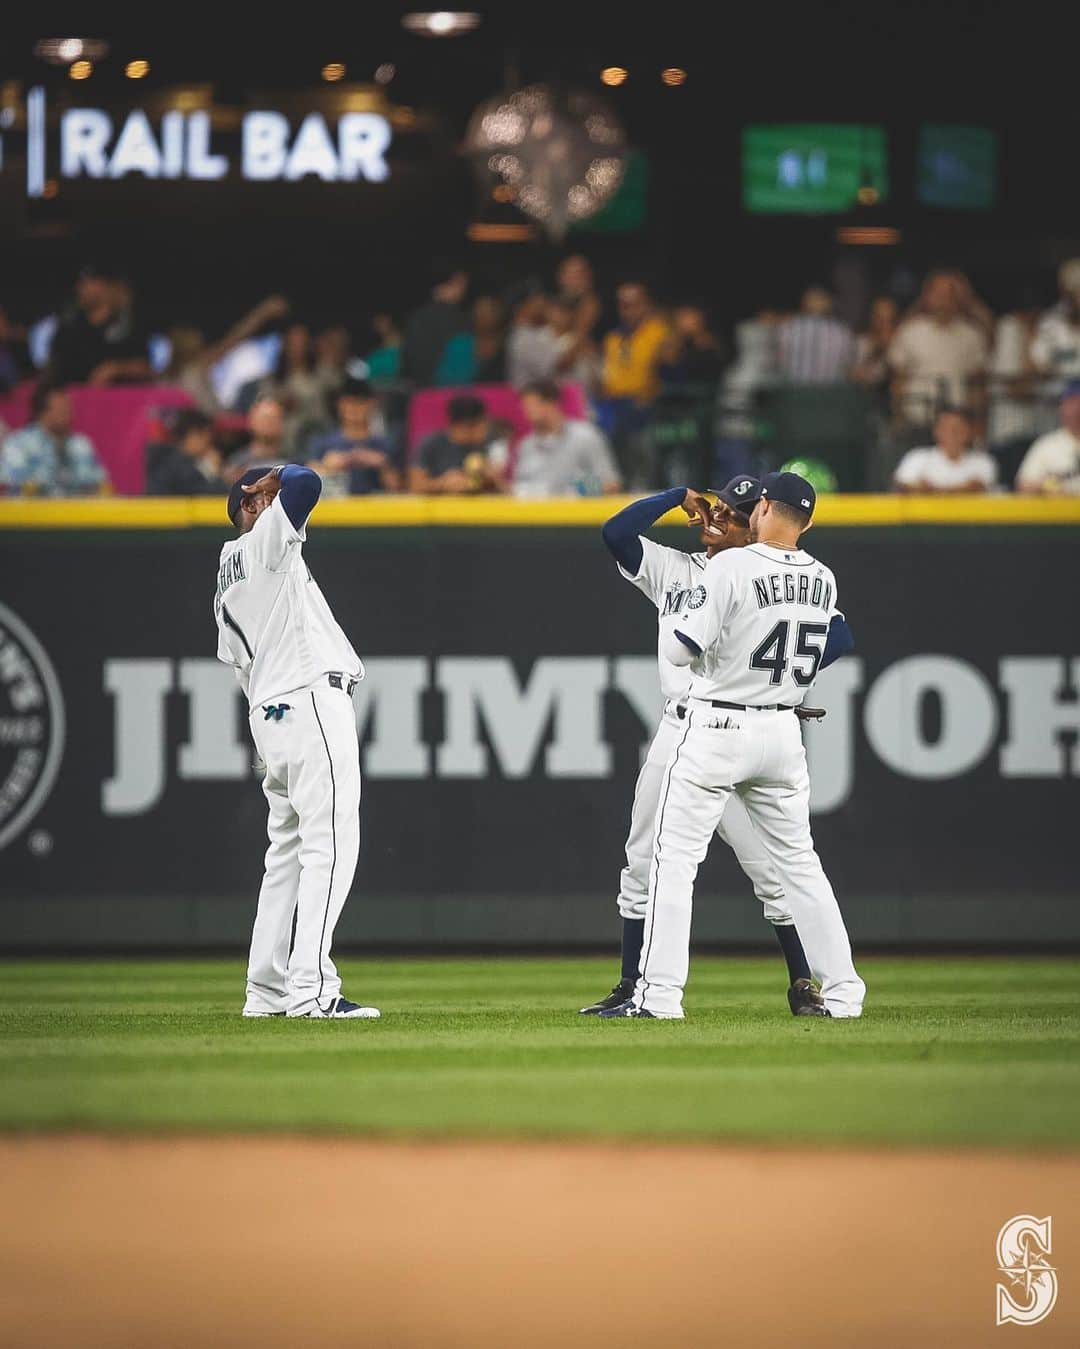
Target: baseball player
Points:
(298, 670)
(668, 576)
(753, 637)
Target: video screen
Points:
(812, 168)
(957, 167)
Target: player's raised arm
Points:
(300, 490)
(288, 494)
(622, 533)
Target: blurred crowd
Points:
(608, 392)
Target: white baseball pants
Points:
(735, 829)
(312, 787)
(759, 757)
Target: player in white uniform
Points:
(298, 670)
(669, 577)
(753, 637)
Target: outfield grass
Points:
(972, 1051)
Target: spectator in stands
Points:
(352, 458)
(48, 458)
(577, 290)
(632, 351)
(560, 456)
(478, 355)
(430, 327)
(940, 351)
(465, 457)
(297, 384)
(14, 361)
(1056, 348)
(99, 340)
(754, 367)
(577, 358)
(976, 311)
(949, 465)
(489, 340)
(1052, 465)
(266, 443)
(813, 346)
(331, 357)
(188, 463)
(532, 349)
(1017, 412)
(692, 353)
(871, 368)
(871, 373)
(192, 358)
(630, 380)
(384, 362)
(751, 372)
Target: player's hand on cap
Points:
(697, 506)
(267, 486)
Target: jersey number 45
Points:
(772, 654)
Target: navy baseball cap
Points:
(789, 489)
(741, 494)
(249, 476)
(1071, 390)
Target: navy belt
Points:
(680, 711)
(344, 682)
(750, 707)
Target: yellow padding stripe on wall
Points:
(383, 512)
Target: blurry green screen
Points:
(810, 167)
(957, 167)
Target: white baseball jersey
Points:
(761, 617)
(274, 624)
(669, 577)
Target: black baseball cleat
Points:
(341, 1009)
(627, 1008)
(805, 1000)
(621, 993)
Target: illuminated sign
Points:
(179, 144)
(812, 167)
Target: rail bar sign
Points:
(180, 144)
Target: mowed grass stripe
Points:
(978, 1051)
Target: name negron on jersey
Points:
(781, 587)
(230, 571)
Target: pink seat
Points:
(428, 408)
(118, 420)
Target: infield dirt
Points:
(283, 1241)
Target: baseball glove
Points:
(809, 713)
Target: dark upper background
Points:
(335, 249)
